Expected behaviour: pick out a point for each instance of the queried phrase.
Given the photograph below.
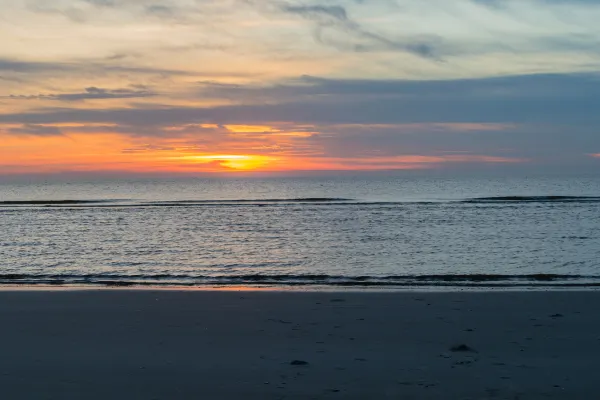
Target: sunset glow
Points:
(239, 162)
(273, 87)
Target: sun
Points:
(241, 162)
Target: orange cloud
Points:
(250, 129)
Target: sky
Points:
(229, 86)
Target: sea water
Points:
(387, 231)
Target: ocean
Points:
(343, 232)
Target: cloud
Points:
(102, 3)
(539, 117)
(86, 11)
(92, 93)
(334, 27)
(440, 159)
(33, 67)
(549, 99)
(352, 79)
(29, 66)
(500, 3)
(146, 148)
(35, 130)
(159, 10)
(515, 86)
(543, 98)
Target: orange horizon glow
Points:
(238, 148)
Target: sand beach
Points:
(178, 344)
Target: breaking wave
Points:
(534, 199)
(472, 280)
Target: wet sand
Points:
(144, 344)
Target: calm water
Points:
(303, 231)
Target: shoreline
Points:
(296, 288)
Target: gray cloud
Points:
(35, 130)
(561, 91)
(29, 66)
(499, 3)
(524, 141)
(349, 35)
(518, 99)
(102, 3)
(159, 10)
(92, 66)
(92, 93)
(82, 11)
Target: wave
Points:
(295, 200)
(468, 280)
(321, 201)
(138, 203)
(533, 199)
(52, 202)
(250, 201)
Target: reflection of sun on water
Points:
(240, 162)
